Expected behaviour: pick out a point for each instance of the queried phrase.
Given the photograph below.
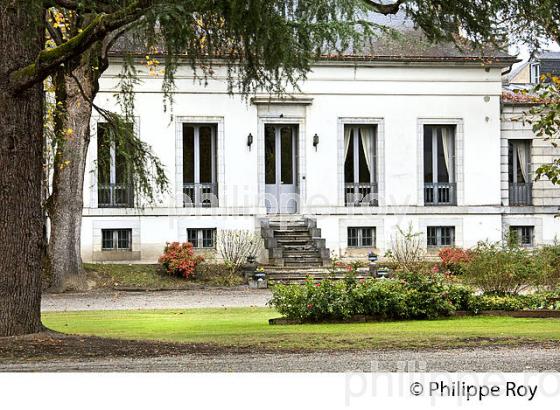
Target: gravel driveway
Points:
(532, 359)
(118, 300)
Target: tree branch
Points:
(95, 6)
(54, 33)
(49, 60)
(387, 8)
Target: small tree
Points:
(236, 245)
(406, 248)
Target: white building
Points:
(369, 144)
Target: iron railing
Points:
(361, 194)
(200, 195)
(520, 194)
(441, 193)
(115, 196)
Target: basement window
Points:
(522, 235)
(440, 236)
(202, 237)
(116, 239)
(361, 237)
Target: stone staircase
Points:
(294, 242)
(297, 251)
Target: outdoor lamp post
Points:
(372, 257)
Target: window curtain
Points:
(523, 164)
(366, 134)
(347, 131)
(447, 142)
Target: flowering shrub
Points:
(454, 259)
(179, 259)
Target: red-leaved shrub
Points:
(179, 259)
(453, 259)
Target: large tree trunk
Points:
(66, 203)
(21, 154)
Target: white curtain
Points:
(366, 134)
(347, 131)
(447, 142)
(522, 156)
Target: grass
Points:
(249, 328)
(152, 277)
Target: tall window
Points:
(522, 235)
(520, 186)
(114, 178)
(202, 237)
(360, 165)
(439, 236)
(361, 237)
(116, 239)
(199, 165)
(440, 186)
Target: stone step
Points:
(293, 238)
(299, 248)
(292, 232)
(298, 240)
(302, 254)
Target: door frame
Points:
(300, 180)
(278, 162)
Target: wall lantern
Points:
(315, 141)
(249, 140)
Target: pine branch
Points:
(89, 6)
(385, 8)
(49, 60)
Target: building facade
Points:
(362, 148)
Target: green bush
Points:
(547, 260)
(408, 296)
(539, 300)
(501, 269)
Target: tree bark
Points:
(21, 158)
(66, 202)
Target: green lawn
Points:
(248, 327)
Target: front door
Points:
(280, 169)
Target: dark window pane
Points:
(270, 155)
(352, 237)
(367, 237)
(206, 154)
(103, 155)
(192, 237)
(208, 236)
(124, 238)
(432, 236)
(363, 167)
(443, 174)
(510, 162)
(107, 239)
(188, 154)
(122, 169)
(287, 147)
(349, 162)
(428, 150)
